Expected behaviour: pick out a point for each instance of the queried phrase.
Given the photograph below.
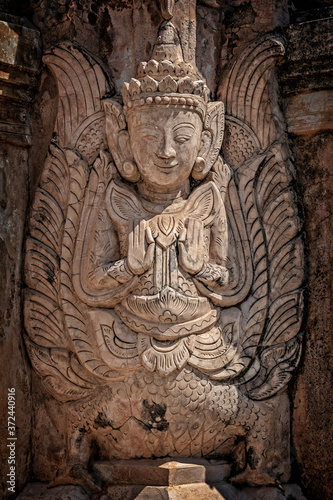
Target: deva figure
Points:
(170, 326)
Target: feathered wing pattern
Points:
(253, 119)
(241, 205)
(254, 146)
(255, 188)
(49, 299)
(80, 122)
(281, 343)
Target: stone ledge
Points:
(198, 491)
(162, 472)
(310, 112)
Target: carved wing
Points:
(80, 122)
(255, 148)
(54, 321)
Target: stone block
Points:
(150, 472)
(40, 491)
(310, 112)
(200, 491)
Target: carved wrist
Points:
(120, 271)
(214, 273)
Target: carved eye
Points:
(148, 132)
(149, 138)
(183, 133)
(182, 138)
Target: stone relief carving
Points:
(164, 275)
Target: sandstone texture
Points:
(165, 235)
(310, 55)
(19, 66)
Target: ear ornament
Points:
(129, 171)
(199, 170)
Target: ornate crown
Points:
(166, 79)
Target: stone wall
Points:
(19, 66)
(110, 30)
(306, 83)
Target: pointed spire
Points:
(167, 8)
(168, 45)
(166, 79)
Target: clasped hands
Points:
(141, 246)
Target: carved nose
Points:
(166, 150)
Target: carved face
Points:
(165, 144)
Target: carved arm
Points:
(216, 275)
(110, 274)
(141, 247)
(207, 253)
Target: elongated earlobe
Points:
(127, 168)
(199, 170)
(129, 171)
(201, 167)
(211, 140)
(118, 141)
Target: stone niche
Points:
(168, 155)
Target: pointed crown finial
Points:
(166, 79)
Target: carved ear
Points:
(211, 140)
(118, 141)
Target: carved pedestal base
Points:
(162, 480)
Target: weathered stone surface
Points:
(19, 68)
(154, 270)
(202, 491)
(39, 491)
(310, 113)
(159, 473)
(313, 424)
(162, 472)
(113, 419)
(185, 492)
(19, 64)
(293, 492)
(308, 65)
(306, 78)
(13, 173)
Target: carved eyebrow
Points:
(147, 125)
(183, 125)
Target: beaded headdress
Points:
(166, 79)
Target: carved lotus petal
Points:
(167, 306)
(126, 94)
(152, 67)
(198, 87)
(183, 69)
(148, 84)
(134, 87)
(166, 224)
(166, 67)
(142, 68)
(169, 300)
(164, 357)
(168, 84)
(168, 317)
(185, 85)
(120, 348)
